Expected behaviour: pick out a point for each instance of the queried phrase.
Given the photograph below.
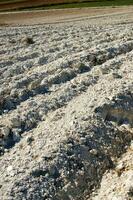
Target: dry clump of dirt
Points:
(66, 105)
(117, 183)
(27, 40)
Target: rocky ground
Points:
(66, 110)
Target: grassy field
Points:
(95, 3)
(46, 1)
(9, 1)
(56, 4)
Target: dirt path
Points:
(54, 16)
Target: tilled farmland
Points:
(66, 110)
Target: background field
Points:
(46, 4)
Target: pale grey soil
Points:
(66, 110)
(118, 183)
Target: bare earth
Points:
(55, 16)
(66, 105)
